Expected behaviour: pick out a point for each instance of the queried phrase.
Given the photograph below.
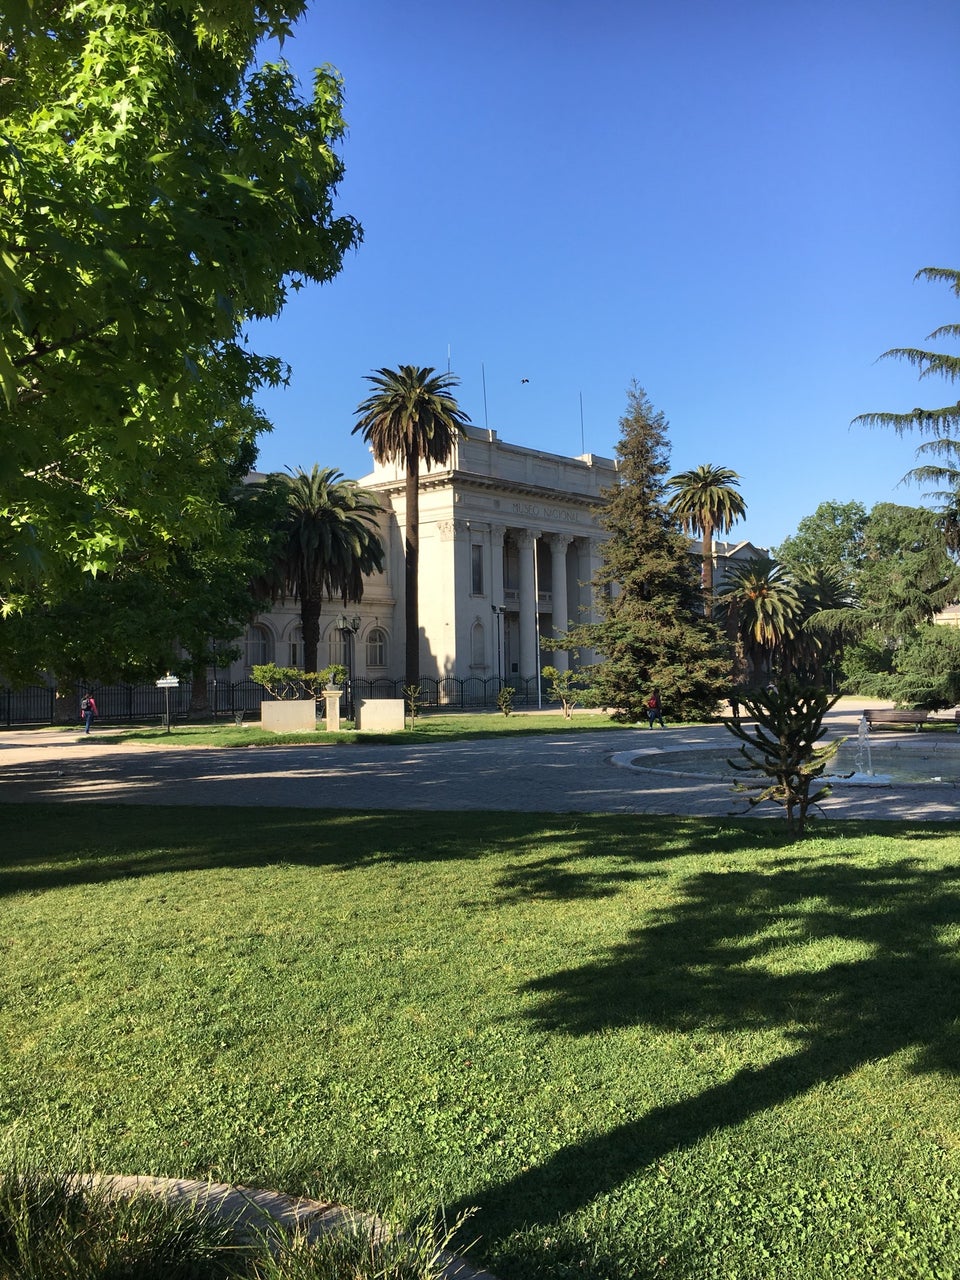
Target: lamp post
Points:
(498, 611)
(348, 628)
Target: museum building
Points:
(509, 544)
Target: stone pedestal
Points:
(331, 698)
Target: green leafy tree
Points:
(940, 425)
(160, 189)
(651, 632)
(830, 540)
(569, 688)
(926, 669)
(409, 419)
(327, 542)
(147, 615)
(706, 501)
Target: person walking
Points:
(88, 710)
(655, 709)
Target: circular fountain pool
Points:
(894, 762)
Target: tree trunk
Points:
(310, 626)
(707, 575)
(199, 701)
(412, 573)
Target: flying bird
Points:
(523, 380)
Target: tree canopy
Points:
(940, 425)
(327, 542)
(159, 189)
(706, 501)
(830, 540)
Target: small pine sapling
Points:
(781, 746)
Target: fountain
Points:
(864, 757)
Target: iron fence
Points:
(137, 703)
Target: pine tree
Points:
(647, 591)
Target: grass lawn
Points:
(640, 1047)
(443, 726)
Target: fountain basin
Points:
(890, 764)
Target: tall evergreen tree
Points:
(650, 634)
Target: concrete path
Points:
(558, 773)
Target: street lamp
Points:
(348, 628)
(498, 612)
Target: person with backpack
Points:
(655, 709)
(88, 709)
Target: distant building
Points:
(509, 544)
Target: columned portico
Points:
(484, 517)
(560, 619)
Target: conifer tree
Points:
(647, 591)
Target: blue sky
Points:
(725, 202)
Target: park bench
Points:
(893, 715)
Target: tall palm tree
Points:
(764, 612)
(327, 541)
(411, 417)
(706, 502)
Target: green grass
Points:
(640, 1047)
(58, 1226)
(432, 727)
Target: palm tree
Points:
(764, 612)
(706, 502)
(411, 417)
(327, 541)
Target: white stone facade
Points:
(509, 542)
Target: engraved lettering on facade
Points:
(536, 511)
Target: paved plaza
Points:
(580, 772)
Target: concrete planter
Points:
(296, 715)
(381, 715)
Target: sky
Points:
(724, 202)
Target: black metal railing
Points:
(137, 703)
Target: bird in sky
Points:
(523, 380)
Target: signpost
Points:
(166, 683)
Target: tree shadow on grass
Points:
(849, 963)
(54, 845)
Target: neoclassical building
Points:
(509, 542)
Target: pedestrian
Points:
(655, 709)
(88, 710)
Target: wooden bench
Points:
(893, 715)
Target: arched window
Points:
(478, 647)
(258, 645)
(376, 647)
(339, 652)
(296, 647)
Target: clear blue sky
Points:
(724, 201)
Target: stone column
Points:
(587, 565)
(452, 648)
(497, 533)
(558, 567)
(529, 657)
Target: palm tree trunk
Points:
(412, 572)
(310, 627)
(706, 583)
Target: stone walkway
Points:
(555, 773)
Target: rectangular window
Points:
(476, 570)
